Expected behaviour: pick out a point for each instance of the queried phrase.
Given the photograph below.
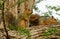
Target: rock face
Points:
(36, 33)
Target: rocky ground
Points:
(37, 32)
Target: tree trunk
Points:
(25, 8)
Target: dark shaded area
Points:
(34, 20)
(54, 38)
(34, 23)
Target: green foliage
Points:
(25, 31)
(36, 8)
(48, 14)
(22, 31)
(50, 31)
(38, 1)
(35, 5)
(59, 23)
(54, 7)
(11, 27)
(0, 6)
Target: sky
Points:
(43, 9)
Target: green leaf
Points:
(1, 6)
(25, 31)
(13, 27)
(50, 31)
